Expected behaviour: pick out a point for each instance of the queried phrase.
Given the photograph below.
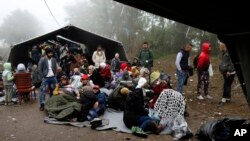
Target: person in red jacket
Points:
(202, 70)
(157, 89)
(105, 71)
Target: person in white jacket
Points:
(99, 56)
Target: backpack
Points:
(195, 61)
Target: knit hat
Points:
(124, 66)
(103, 65)
(20, 67)
(124, 91)
(87, 89)
(7, 66)
(85, 77)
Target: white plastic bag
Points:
(210, 71)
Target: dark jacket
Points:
(115, 65)
(226, 63)
(184, 60)
(43, 66)
(146, 58)
(97, 79)
(116, 100)
(87, 99)
(134, 108)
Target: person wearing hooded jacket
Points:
(202, 70)
(105, 72)
(117, 98)
(8, 82)
(136, 116)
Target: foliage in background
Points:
(4, 53)
(19, 26)
(116, 21)
(132, 26)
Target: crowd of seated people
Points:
(83, 85)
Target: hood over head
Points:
(7, 66)
(205, 47)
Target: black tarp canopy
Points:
(228, 19)
(19, 52)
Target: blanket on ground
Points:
(61, 106)
(111, 120)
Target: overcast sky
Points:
(38, 9)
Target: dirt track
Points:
(25, 122)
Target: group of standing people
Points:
(202, 64)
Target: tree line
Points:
(116, 21)
(132, 26)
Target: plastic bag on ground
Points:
(227, 129)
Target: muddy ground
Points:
(25, 122)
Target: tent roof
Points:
(19, 52)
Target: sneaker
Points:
(133, 129)
(96, 122)
(224, 100)
(200, 97)
(228, 99)
(138, 132)
(209, 97)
